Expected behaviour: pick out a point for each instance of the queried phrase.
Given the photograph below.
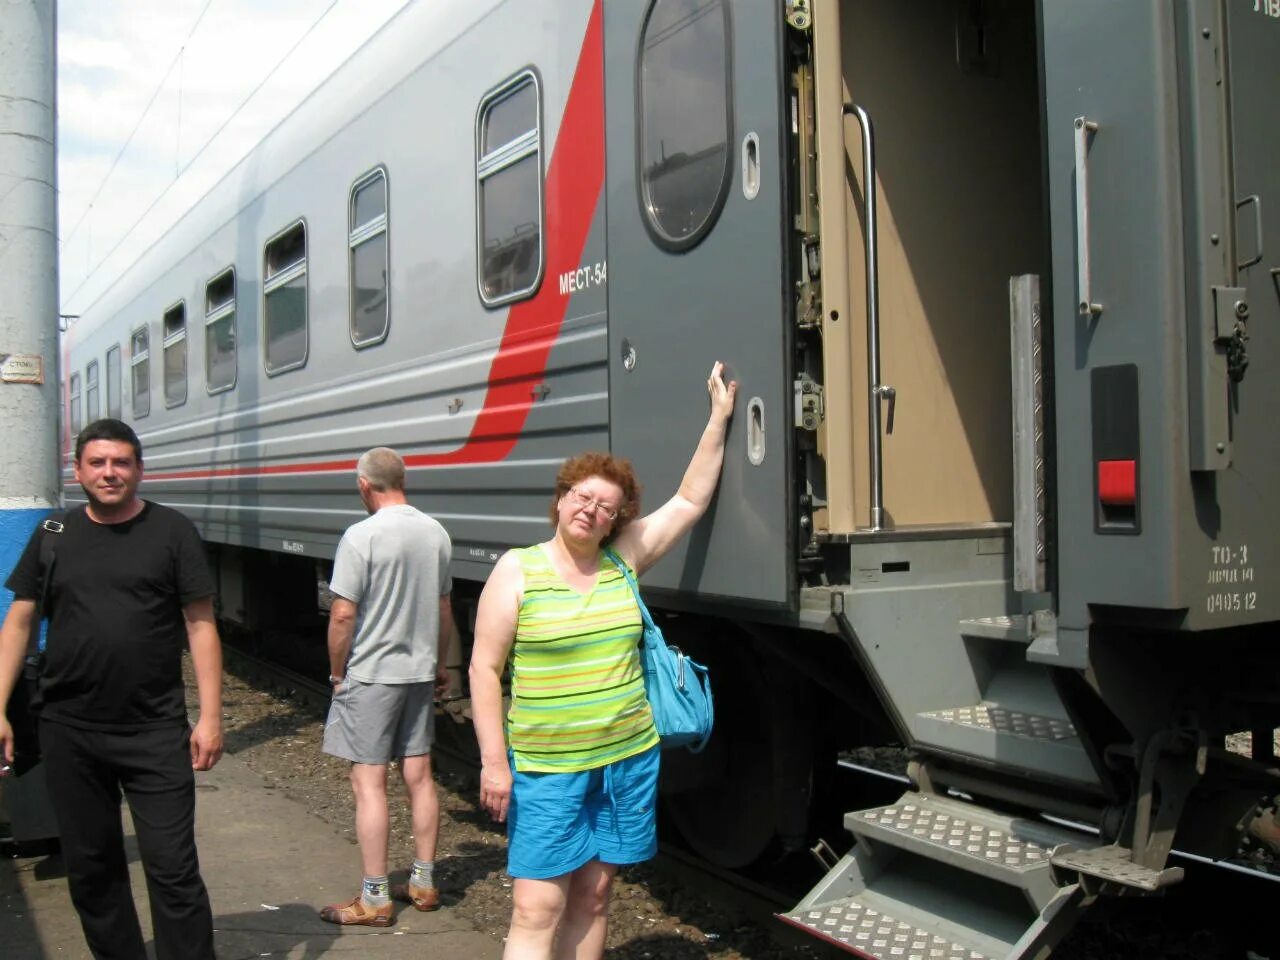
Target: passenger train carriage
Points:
(1000, 283)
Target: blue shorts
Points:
(558, 821)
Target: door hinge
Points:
(810, 407)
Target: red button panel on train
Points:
(1118, 482)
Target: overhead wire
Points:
(195, 156)
(137, 126)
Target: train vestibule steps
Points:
(1020, 722)
(935, 878)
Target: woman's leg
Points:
(586, 913)
(537, 908)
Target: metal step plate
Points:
(1012, 739)
(1015, 629)
(1112, 863)
(927, 821)
(963, 836)
(993, 717)
(872, 933)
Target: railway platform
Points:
(269, 868)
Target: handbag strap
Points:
(635, 587)
(49, 529)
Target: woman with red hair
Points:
(574, 769)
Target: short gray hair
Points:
(382, 468)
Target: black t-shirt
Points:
(113, 656)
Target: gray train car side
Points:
(267, 462)
(999, 284)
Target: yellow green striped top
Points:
(577, 690)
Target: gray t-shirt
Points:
(394, 566)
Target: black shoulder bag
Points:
(24, 701)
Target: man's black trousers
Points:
(87, 772)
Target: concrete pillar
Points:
(29, 388)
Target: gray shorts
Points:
(375, 722)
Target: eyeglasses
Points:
(585, 500)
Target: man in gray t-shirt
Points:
(389, 627)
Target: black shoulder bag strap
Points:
(24, 700)
(50, 527)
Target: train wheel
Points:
(722, 801)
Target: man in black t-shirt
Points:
(129, 587)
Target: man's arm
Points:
(13, 647)
(342, 629)
(206, 659)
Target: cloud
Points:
(137, 67)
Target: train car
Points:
(998, 280)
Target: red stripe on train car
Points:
(575, 178)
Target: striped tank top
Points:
(577, 690)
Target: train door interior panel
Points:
(955, 134)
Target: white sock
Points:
(421, 873)
(376, 892)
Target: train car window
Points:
(220, 332)
(174, 347)
(509, 190)
(683, 118)
(284, 299)
(74, 403)
(140, 371)
(91, 409)
(370, 268)
(115, 401)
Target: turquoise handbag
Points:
(678, 688)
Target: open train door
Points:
(696, 273)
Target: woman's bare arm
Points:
(495, 633)
(645, 541)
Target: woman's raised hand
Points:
(721, 393)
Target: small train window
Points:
(73, 414)
(284, 299)
(92, 410)
(115, 401)
(683, 81)
(220, 332)
(509, 216)
(174, 345)
(140, 371)
(370, 267)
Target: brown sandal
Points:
(358, 912)
(422, 898)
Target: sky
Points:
(157, 99)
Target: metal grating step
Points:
(993, 717)
(1113, 864)
(1015, 629)
(1014, 739)
(1006, 849)
(931, 822)
(873, 933)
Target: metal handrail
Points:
(878, 390)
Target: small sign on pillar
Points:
(21, 368)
